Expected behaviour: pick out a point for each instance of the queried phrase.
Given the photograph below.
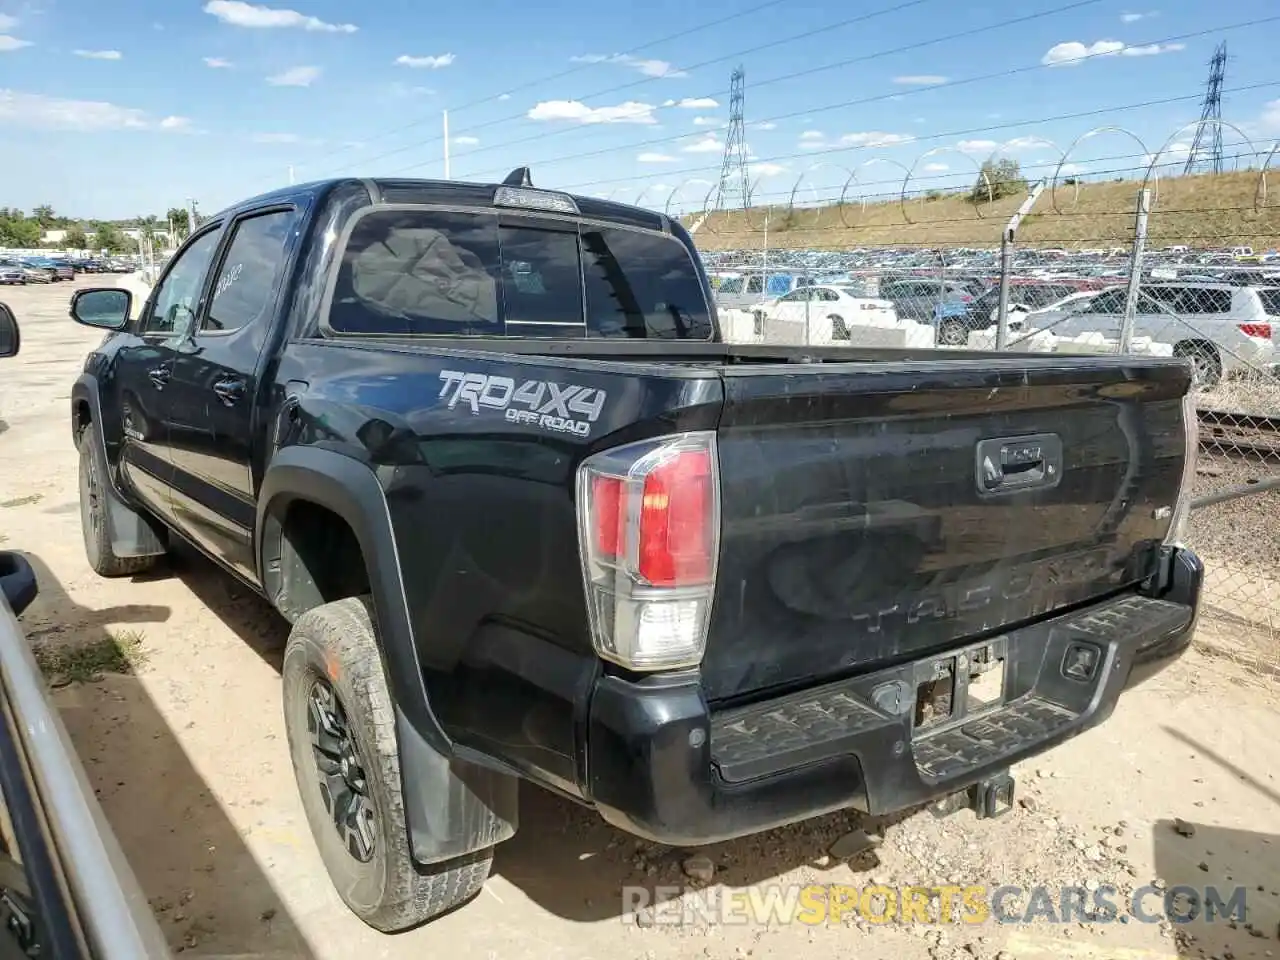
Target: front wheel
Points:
(93, 517)
(342, 740)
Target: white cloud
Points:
(241, 14)
(217, 63)
(705, 121)
(504, 96)
(920, 80)
(1270, 119)
(766, 126)
(38, 111)
(466, 141)
(977, 146)
(426, 63)
(650, 68)
(7, 22)
(1026, 143)
(295, 77)
(693, 103)
(876, 138)
(764, 169)
(708, 144)
(408, 90)
(100, 54)
(1152, 49)
(655, 158)
(812, 135)
(577, 112)
(9, 44)
(1135, 17)
(1072, 52)
(275, 138)
(936, 168)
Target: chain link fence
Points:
(1141, 259)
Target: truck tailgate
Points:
(873, 513)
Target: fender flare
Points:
(132, 533)
(452, 806)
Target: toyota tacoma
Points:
(530, 518)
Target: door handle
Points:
(229, 392)
(159, 376)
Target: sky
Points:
(118, 110)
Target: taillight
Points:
(1260, 330)
(649, 531)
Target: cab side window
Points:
(174, 304)
(251, 272)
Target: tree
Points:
(999, 178)
(18, 230)
(75, 238)
(45, 216)
(178, 217)
(107, 236)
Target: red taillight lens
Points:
(676, 516)
(606, 508)
(1260, 330)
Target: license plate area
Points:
(959, 686)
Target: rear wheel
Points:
(93, 517)
(953, 333)
(1206, 363)
(342, 741)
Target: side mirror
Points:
(106, 308)
(10, 336)
(17, 581)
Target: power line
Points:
(935, 136)
(864, 58)
(860, 18)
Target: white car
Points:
(1221, 329)
(829, 310)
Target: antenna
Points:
(519, 177)
(733, 169)
(1207, 146)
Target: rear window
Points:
(438, 273)
(1270, 298)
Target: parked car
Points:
(1221, 329)
(39, 270)
(1025, 296)
(926, 300)
(837, 307)
(65, 887)
(11, 272)
(63, 269)
(531, 519)
(750, 291)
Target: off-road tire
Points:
(93, 517)
(336, 642)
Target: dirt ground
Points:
(188, 756)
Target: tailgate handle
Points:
(1013, 464)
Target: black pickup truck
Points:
(530, 518)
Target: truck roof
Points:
(452, 192)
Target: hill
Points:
(1198, 211)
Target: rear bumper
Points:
(661, 765)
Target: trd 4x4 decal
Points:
(560, 407)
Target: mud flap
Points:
(132, 534)
(452, 807)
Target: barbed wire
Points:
(796, 219)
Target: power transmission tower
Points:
(1207, 146)
(733, 169)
